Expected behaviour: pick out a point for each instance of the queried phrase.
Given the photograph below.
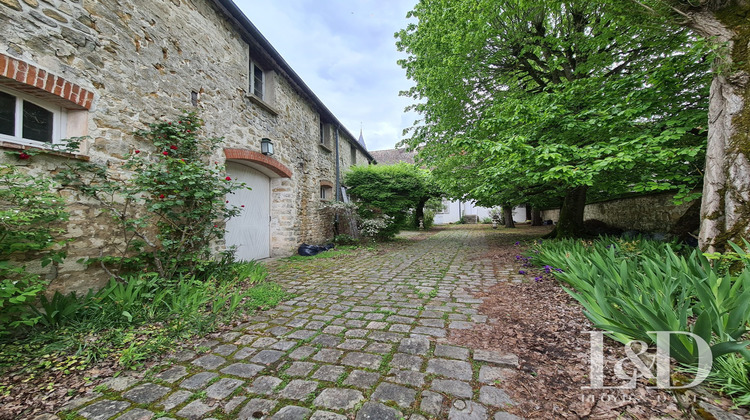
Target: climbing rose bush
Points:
(173, 207)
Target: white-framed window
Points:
(326, 193)
(257, 80)
(29, 120)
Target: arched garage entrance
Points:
(250, 231)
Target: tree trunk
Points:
(725, 208)
(536, 217)
(570, 224)
(508, 215)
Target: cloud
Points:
(345, 52)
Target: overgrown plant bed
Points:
(43, 368)
(537, 320)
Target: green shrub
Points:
(631, 287)
(429, 219)
(30, 219)
(344, 240)
(388, 194)
(628, 288)
(174, 187)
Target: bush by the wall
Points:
(31, 219)
(174, 187)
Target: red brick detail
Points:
(325, 183)
(30, 79)
(256, 157)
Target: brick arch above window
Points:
(259, 159)
(326, 183)
(24, 77)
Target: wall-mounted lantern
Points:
(266, 146)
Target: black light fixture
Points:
(266, 146)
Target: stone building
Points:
(106, 68)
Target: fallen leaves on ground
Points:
(547, 330)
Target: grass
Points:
(132, 323)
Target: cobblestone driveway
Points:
(365, 338)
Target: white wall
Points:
(452, 215)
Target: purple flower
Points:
(521, 272)
(547, 269)
(518, 243)
(537, 279)
(559, 270)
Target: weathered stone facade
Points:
(145, 61)
(648, 213)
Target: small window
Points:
(257, 80)
(326, 193)
(325, 135)
(28, 120)
(354, 154)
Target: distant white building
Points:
(453, 210)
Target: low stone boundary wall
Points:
(648, 213)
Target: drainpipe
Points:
(338, 170)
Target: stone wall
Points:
(648, 213)
(148, 60)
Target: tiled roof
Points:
(393, 156)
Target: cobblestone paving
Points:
(364, 338)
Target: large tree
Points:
(725, 210)
(546, 100)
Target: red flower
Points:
(242, 205)
(173, 147)
(228, 178)
(216, 225)
(227, 201)
(161, 195)
(179, 122)
(24, 155)
(188, 131)
(165, 153)
(137, 151)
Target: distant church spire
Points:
(361, 137)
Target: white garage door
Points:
(250, 231)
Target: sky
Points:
(346, 53)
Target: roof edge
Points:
(235, 15)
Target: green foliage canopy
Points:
(524, 101)
(392, 190)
